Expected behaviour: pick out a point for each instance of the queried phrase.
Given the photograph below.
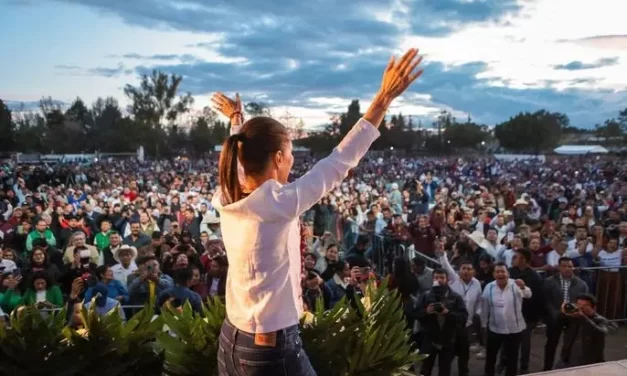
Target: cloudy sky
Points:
(485, 58)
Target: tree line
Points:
(160, 119)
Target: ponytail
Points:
(228, 173)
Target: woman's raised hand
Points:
(398, 75)
(396, 79)
(226, 106)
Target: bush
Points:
(369, 339)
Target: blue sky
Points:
(485, 58)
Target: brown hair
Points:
(258, 140)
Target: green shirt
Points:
(101, 241)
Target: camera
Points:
(89, 279)
(438, 307)
(570, 308)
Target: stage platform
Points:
(615, 353)
(604, 369)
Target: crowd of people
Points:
(481, 251)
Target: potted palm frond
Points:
(370, 340)
(108, 346)
(30, 343)
(190, 341)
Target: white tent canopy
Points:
(580, 149)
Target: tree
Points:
(612, 128)
(533, 132)
(79, 120)
(350, 117)
(8, 132)
(155, 100)
(257, 109)
(622, 118)
(464, 135)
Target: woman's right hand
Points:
(399, 75)
(396, 79)
(226, 106)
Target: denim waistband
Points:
(283, 336)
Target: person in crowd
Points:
(114, 243)
(501, 316)
(39, 261)
(55, 256)
(81, 267)
(116, 290)
(78, 240)
(101, 240)
(149, 282)
(125, 255)
(532, 308)
(562, 288)
(157, 246)
(216, 277)
(103, 303)
(314, 289)
(42, 292)
(41, 231)
(469, 288)
(181, 290)
(136, 238)
(423, 273)
(584, 338)
(442, 315)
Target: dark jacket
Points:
(182, 293)
(553, 296)
(584, 341)
(532, 309)
(436, 334)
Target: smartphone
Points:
(510, 236)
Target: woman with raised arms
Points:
(259, 214)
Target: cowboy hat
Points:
(211, 220)
(479, 239)
(124, 247)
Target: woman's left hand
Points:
(226, 106)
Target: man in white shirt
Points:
(501, 314)
(125, 255)
(469, 288)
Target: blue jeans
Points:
(239, 356)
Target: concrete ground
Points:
(615, 349)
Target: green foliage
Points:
(369, 339)
(532, 132)
(191, 342)
(32, 345)
(464, 135)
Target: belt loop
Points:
(233, 339)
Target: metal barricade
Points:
(384, 250)
(609, 286)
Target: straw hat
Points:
(211, 220)
(124, 247)
(478, 238)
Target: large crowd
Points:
(554, 233)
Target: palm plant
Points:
(191, 342)
(108, 346)
(369, 340)
(30, 344)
